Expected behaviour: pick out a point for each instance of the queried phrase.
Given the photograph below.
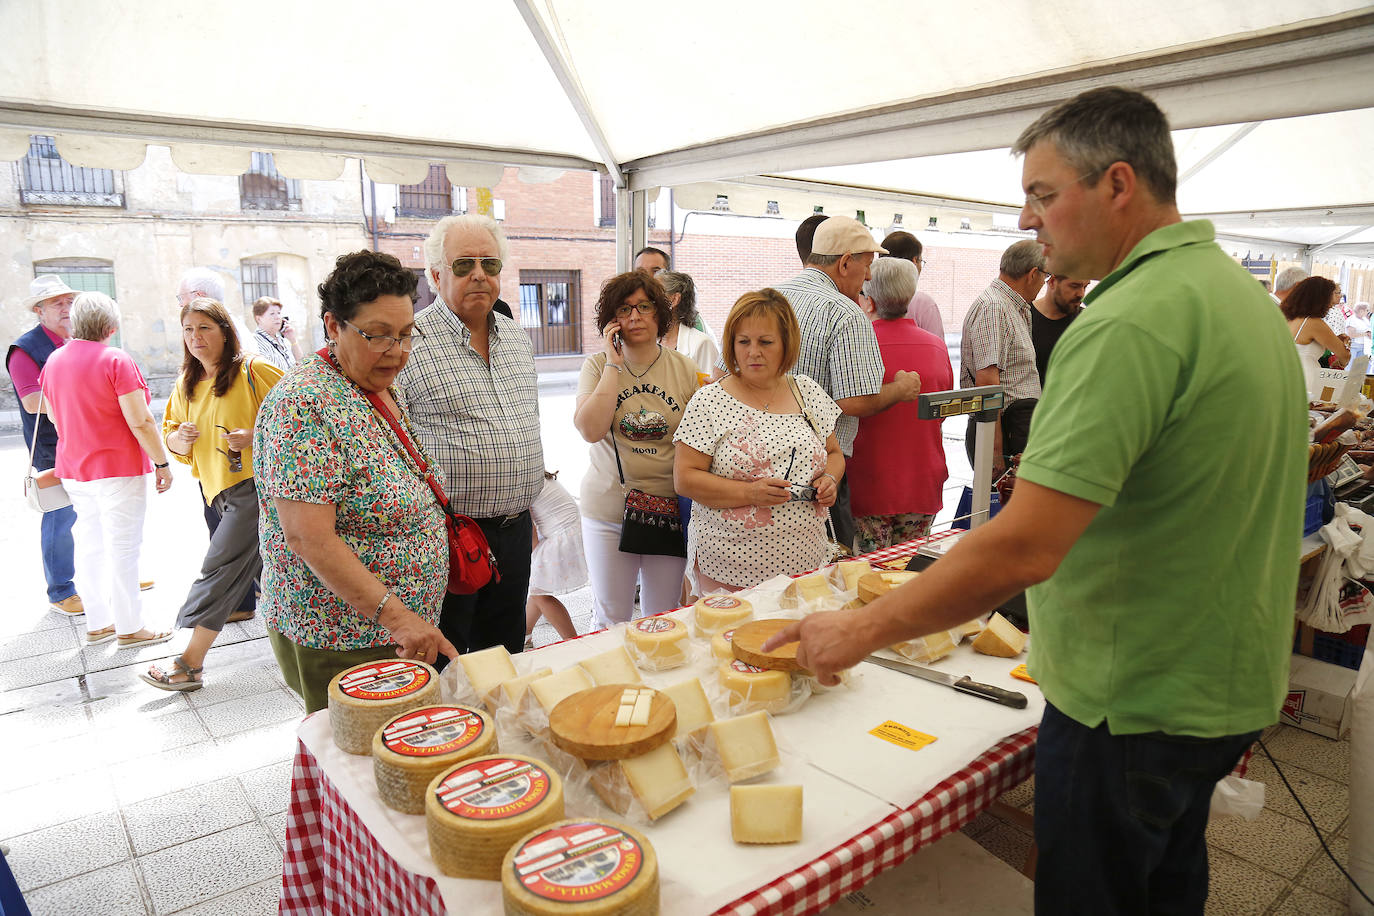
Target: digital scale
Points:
(985, 404)
(1348, 485)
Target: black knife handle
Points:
(1010, 698)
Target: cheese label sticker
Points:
(721, 602)
(384, 680)
(1021, 672)
(745, 667)
(655, 624)
(902, 736)
(728, 635)
(494, 788)
(575, 863)
(433, 731)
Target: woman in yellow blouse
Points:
(209, 425)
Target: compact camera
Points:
(801, 493)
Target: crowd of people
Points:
(331, 479)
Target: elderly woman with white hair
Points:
(898, 472)
(108, 442)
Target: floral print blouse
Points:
(318, 440)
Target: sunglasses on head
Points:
(464, 266)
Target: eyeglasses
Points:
(381, 343)
(464, 266)
(1039, 203)
(644, 308)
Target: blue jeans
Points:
(1120, 819)
(55, 537)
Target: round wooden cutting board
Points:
(747, 644)
(584, 724)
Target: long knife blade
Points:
(963, 684)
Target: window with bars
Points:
(433, 198)
(550, 310)
(258, 277)
(46, 178)
(263, 188)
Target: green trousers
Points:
(309, 671)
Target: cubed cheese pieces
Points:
(755, 688)
(553, 688)
(487, 669)
(693, 709)
(511, 691)
(612, 667)
(1001, 638)
(657, 780)
(745, 745)
(766, 814)
(657, 643)
(714, 613)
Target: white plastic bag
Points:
(1241, 797)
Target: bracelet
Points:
(160, 466)
(831, 476)
(615, 367)
(381, 604)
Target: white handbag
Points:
(43, 489)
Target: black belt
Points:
(501, 521)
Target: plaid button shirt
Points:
(839, 350)
(997, 332)
(479, 422)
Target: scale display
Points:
(940, 405)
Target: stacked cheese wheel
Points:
(414, 747)
(363, 698)
(476, 810)
(719, 612)
(581, 868)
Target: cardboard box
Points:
(1318, 697)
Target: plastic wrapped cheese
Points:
(657, 643)
(364, 697)
(582, 867)
(713, 613)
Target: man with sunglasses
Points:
(1157, 523)
(474, 400)
(997, 348)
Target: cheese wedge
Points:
(805, 590)
(553, 688)
(611, 667)
(693, 709)
(487, 669)
(851, 571)
(766, 814)
(875, 584)
(657, 780)
(927, 648)
(745, 745)
(1001, 638)
(512, 691)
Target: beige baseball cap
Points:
(844, 235)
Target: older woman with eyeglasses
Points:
(354, 549)
(630, 399)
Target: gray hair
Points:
(434, 245)
(203, 280)
(95, 316)
(1289, 277)
(1107, 125)
(1021, 258)
(675, 282)
(891, 285)
(822, 260)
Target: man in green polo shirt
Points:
(1157, 522)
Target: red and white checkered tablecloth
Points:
(333, 864)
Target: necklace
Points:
(771, 395)
(646, 368)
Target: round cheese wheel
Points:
(720, 645)
(581, 868)
(719, 612)
(657, 643)
(475, 811)
(414, 747)
(364, 697)
(755, 688)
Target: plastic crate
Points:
(1320, 509)
(1331, 647)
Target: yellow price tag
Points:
(902, 736)
(1021, 672)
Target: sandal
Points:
(96, 637)
(129, 642)
(163, 679)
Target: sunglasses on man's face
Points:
(464, 266)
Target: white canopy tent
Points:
(895, 101)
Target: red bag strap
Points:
(382, 410)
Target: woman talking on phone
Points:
(630, 398)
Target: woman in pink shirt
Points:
(898, 471)
(98, 401)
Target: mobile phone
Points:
(801, 492)
(615, 340)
